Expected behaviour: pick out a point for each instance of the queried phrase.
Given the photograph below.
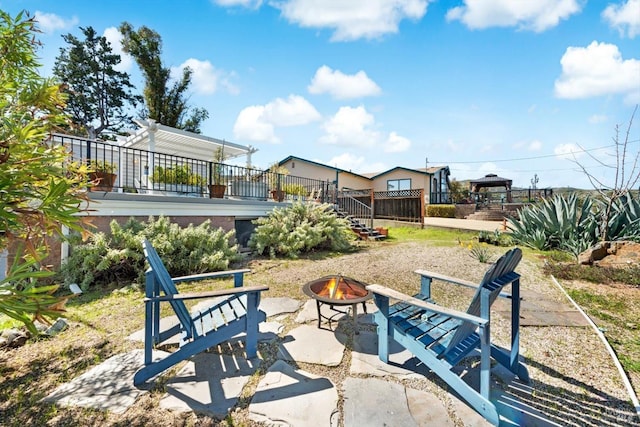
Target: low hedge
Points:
(441, 211)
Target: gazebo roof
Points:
(491, 180)
(179, 142)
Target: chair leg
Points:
(382, 319)
(251, 340)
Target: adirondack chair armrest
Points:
(215, 274)
(391, 293)
(209, 294)
(438, 276)
(455, 281)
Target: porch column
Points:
(152, 128)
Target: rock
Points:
(612, 254)
(60, 325)
(594, 253)
(13, 338)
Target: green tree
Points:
(40, 191)
(98, 96)
(458, 191)
(166, 103)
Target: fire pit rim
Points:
(306, 288)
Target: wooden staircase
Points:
(363, 232)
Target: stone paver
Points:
(275, 306)
(312, 345)
(209, 383)
(374, 402)
(290, 397)
(365, 360)
(108, 386)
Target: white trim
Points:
(116, 204)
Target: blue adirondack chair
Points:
(441, 337)
(236, 313)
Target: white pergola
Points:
(156, 137)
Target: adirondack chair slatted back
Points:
(161, 274)
(506, 264)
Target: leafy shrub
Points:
(496, 238)
(441, 211)
(178, 174)
(299, 228)
(118, 257)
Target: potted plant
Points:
(218, 185)
(178, 179)
(294, 190)
(101, 175)
(276, 182)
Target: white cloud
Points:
(249, 4)
(293, 111)
(206, 78)
(258, 122)
(568, 151)
(535, 146)
(50, 22)
(352, 19)
(624, 16)
(114, 37)
(347, 161)
(598, 118)
(538, 15)
(597, 70)
(396, 143)
(251, 125)
(351, 127)
(342, 86)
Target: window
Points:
(398, 184)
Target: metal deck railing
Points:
(146, 172)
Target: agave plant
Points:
(556, 222)
(624, 219)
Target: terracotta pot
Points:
(277, 195)
(102, 181)
(216, 191)
(383, 231)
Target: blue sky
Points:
(510, 87)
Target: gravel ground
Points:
(574, 381)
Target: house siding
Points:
(302, 168)
(418, 180)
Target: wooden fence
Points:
(399, 205)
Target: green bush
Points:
(117, 257)
(441, 211)
(300, 228)
(496, 238)
(177, 174)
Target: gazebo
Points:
(491, 180)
